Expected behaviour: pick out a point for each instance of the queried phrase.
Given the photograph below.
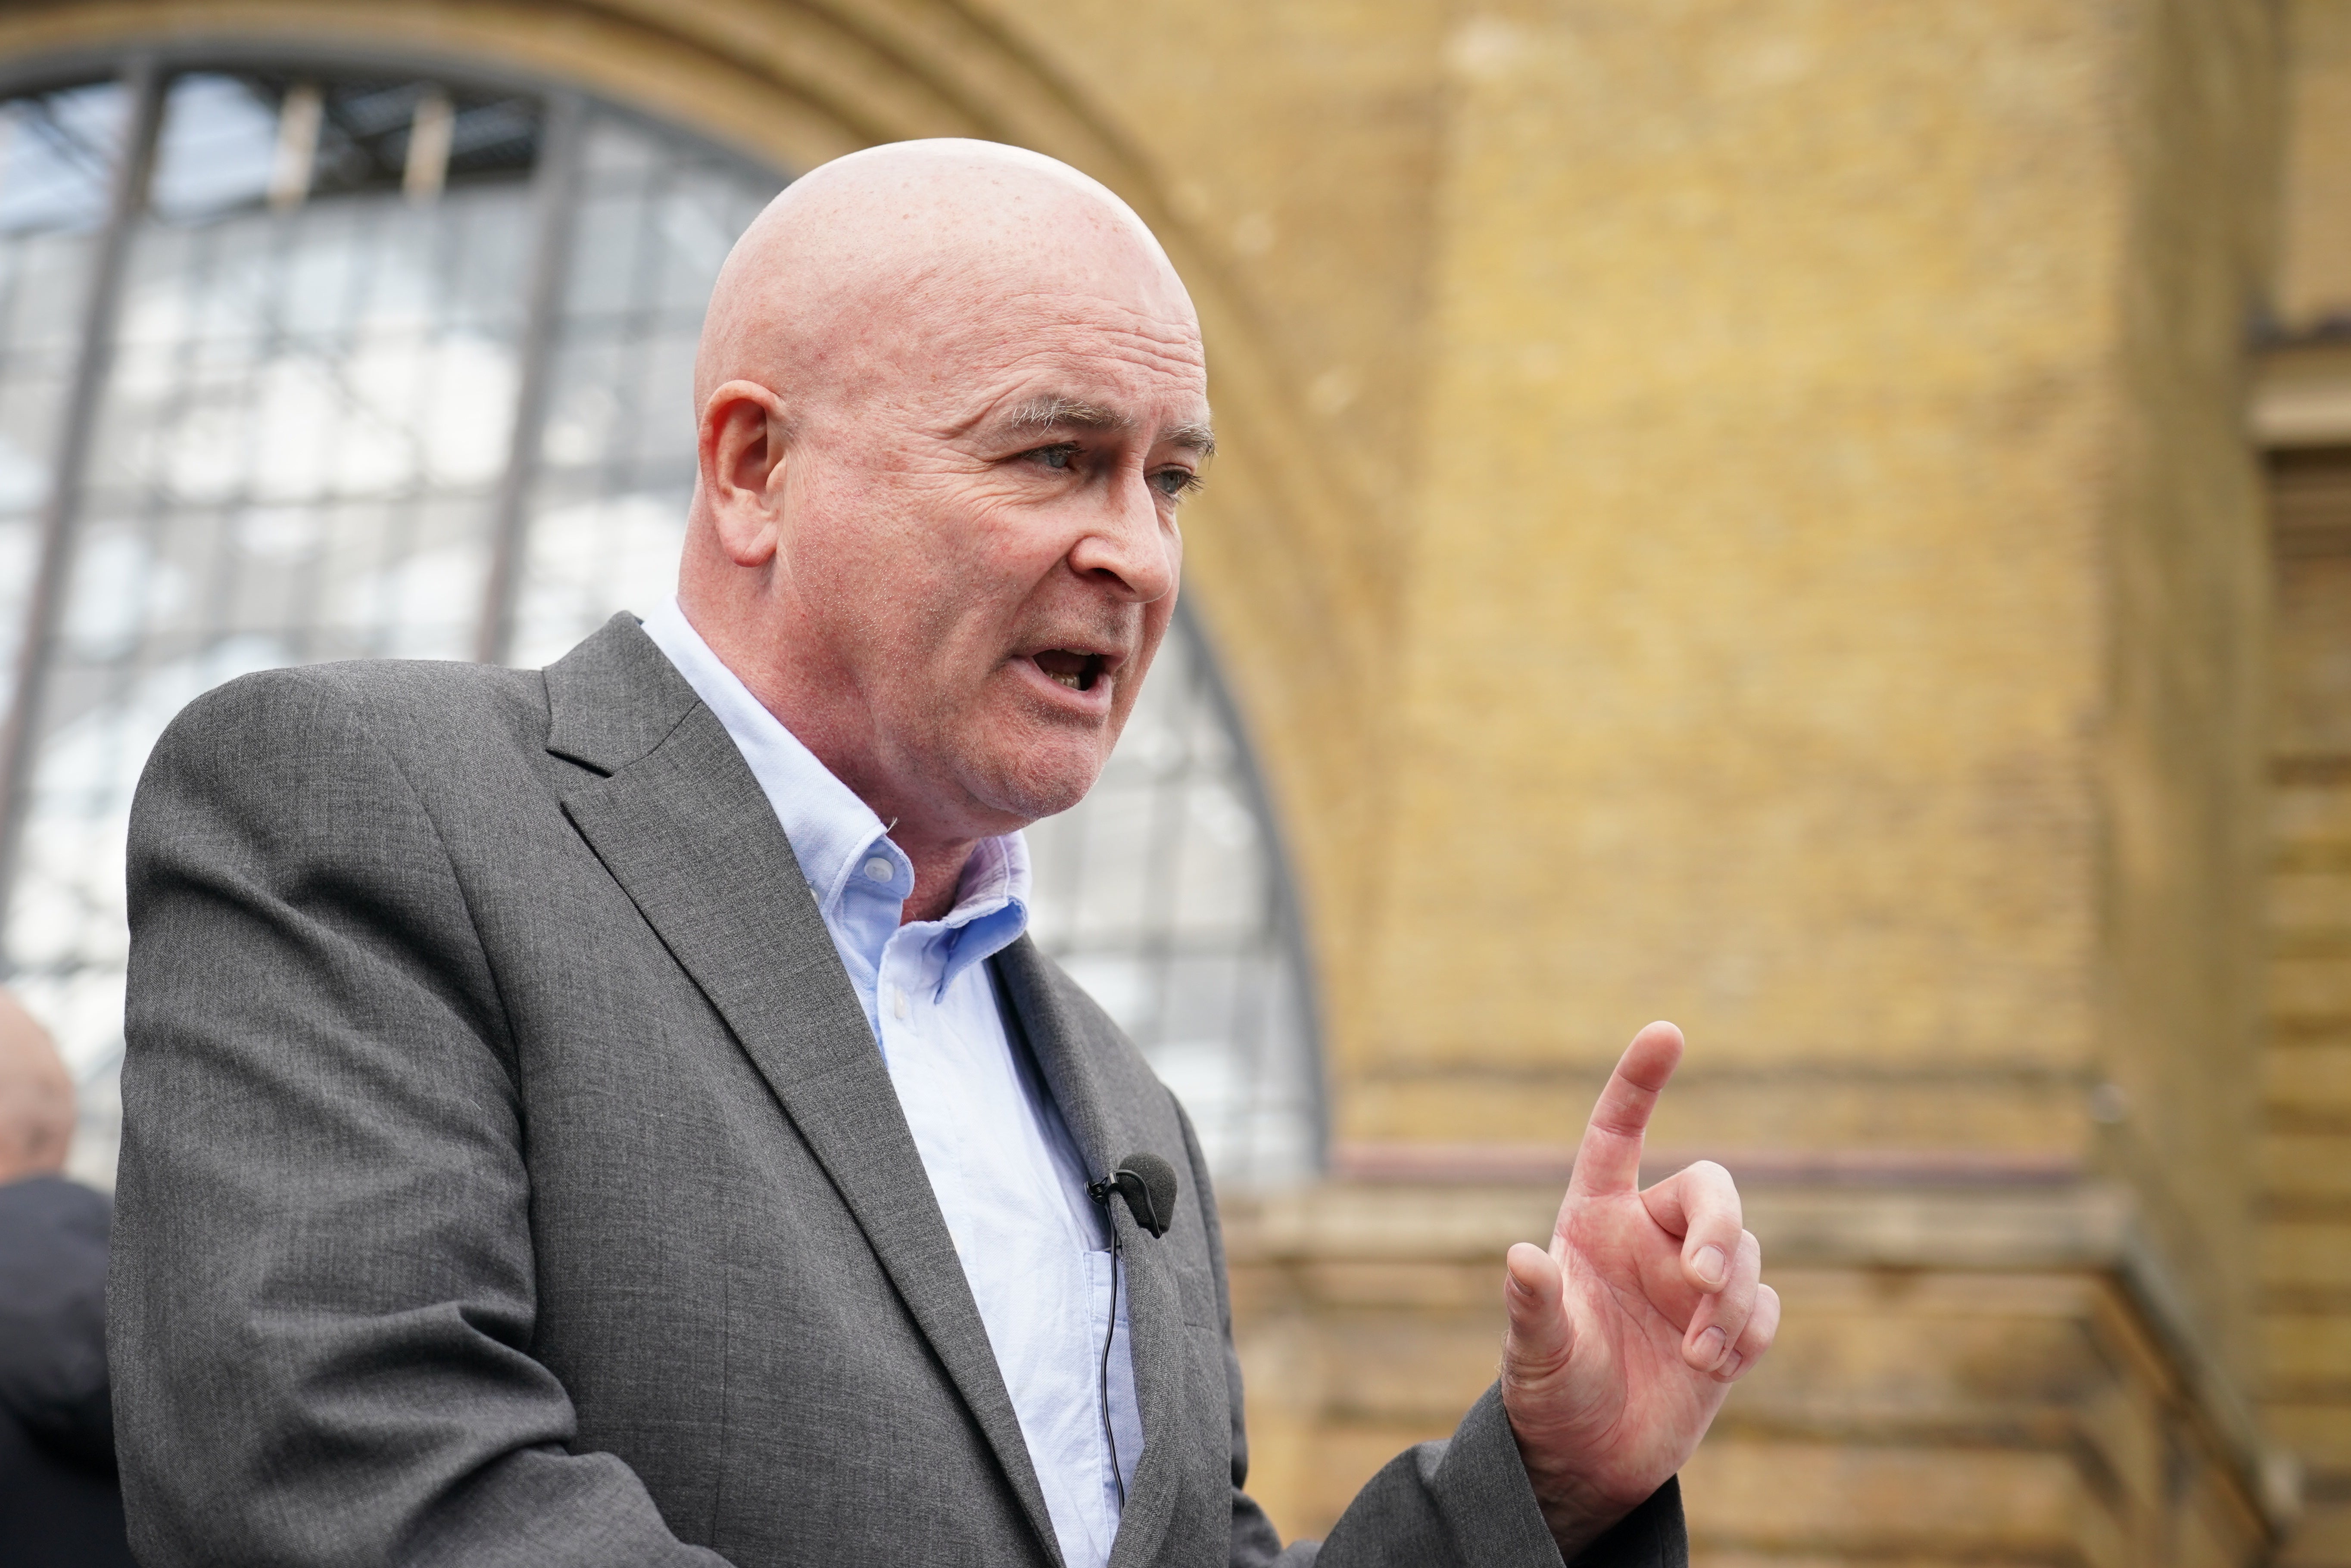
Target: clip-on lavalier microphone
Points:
(1148, 1184)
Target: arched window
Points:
(301, 364)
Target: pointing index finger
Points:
(1609, 1160)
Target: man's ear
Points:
(742, 462)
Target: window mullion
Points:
(555, 196)
(142, 81)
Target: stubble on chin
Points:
(1030, 785)
(1010, 759)
(1027, 769)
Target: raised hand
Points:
(1626, 1336)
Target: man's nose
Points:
(1127, 546)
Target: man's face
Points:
(986, 541)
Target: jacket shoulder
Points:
(405, 706)
(431, 689)
(333, 747)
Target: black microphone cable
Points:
(1148, 1184)
(1110, 1333)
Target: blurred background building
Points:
(1828, 522)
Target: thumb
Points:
(1541, 1338)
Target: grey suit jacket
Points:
(509, 1177)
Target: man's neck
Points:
(938, 862)
(938, 878)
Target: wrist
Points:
(1575, 1510)
(1577, 1519)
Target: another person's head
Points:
(951, 395)
(37, 1097)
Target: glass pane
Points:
(296, 458)
(57, 154)
(1160, 893)
(657, 217)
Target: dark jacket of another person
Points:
(59, 1501)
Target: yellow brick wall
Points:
(1742, 687)
(2306, 1079)
(2305, 1082)
(2181, 729)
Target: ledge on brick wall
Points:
(1961, 1212)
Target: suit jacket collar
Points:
(614, 698)
(1101, 1088)
(672, 810)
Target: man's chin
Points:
(1044, 780)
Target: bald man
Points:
(37, 1097)
(612, 1114)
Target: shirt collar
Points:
(834, 834)
(991, 904)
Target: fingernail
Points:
(1710, 1347)
(1711, 1265)
(1729, 1369)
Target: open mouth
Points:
(1076, 670)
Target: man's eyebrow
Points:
(1041, 415)
(1195, 435)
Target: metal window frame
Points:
(146, 78)
(143, 78)
(1287, 913)
(554, 201)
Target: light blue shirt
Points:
(1034, 1247)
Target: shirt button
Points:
(879, 869)
(897, 1004)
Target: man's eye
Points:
(1175, 482)
(1053, 457)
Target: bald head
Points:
(866, 262)
(37, 1097)
(951, 396)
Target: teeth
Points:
(1074, 678)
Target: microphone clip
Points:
(1148, 1184)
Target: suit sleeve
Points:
(1464, 1503)
(322, 1296)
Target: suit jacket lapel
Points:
(674, 815)
(1103, 1122)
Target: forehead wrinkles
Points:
(1107, 354)
(1076, 354)
(1070, 324)
(947, 352)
